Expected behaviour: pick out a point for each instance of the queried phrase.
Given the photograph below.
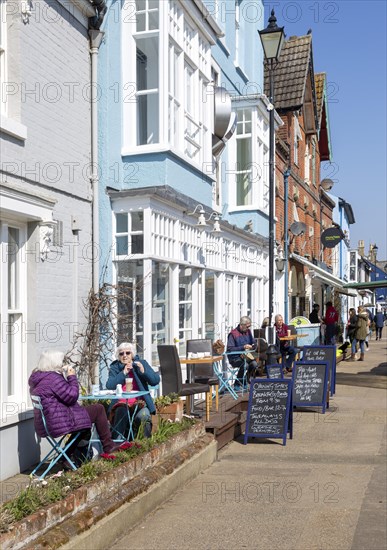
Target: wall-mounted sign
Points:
(331, 237)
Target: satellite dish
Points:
(327, 184)
(297, 228)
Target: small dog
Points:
(344, 347)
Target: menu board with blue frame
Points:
(310, 384)
(269, 412)
(323, 353)
(274, 372)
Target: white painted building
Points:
(45, 194)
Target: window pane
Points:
(140, 22)
(137, 244)
(209, 304)
(122, 246)
(140, 5)
(130, 303)
(137, 221)
(13, 342)
(122, 223)
(243, 153)
(243, 189)
(147, 119)
(153, 20)
(147, 63)
(13, 268)
(160, 306)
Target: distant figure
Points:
(288, 352)
(371, 320)
(331, 319)
(351, 325)
(314, 316)
(379, 322)
(361, 332)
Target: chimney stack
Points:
(360, 248)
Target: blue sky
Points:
(349, 44)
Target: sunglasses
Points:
(125, 353)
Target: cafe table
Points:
(191, 361)
(104, 395)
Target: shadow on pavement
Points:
(375, 378)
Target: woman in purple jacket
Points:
(59, 397)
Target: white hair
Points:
(244, 320)
(50, 360)
(125, 346)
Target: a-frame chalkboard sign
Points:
(275, 372)
(269, 412)
(323, 353)
(310, 384)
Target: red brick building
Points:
(302, 144)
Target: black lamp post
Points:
(272, 39)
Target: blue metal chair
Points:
(58, 451)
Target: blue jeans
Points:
(289, 353)
(354, 342)
(121, 420)
(330, 335)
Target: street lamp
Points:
(272, 39)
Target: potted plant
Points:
(169, 407)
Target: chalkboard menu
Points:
(310, 383)
(323, 353)
(274, 371)
(269, 413)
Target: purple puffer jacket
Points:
(59, 399)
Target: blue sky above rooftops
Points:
(349, 44)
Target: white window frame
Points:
(307, 163)
(129, 234)
(187, 134)
(19, 364)
(3, 55)
(259, 158)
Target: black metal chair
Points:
(170, 369)
(203, 373)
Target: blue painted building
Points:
(183, 156)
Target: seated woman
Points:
(129, 365)
(286, 349)
(58, 390)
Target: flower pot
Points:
(173, 412)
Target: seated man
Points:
(286, 349)
(241, 339)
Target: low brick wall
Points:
(107, 486)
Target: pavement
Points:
(326, 489)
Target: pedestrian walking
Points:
(379, 323)
(360, 333)
(331, 319)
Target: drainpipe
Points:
(286, 247)
(95, 42)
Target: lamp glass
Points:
(272, 42)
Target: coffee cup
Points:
(128, 384)
(289, 332)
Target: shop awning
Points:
(324, 276)
(369, 285)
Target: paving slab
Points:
(324, 490)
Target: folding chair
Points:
(58, 451)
